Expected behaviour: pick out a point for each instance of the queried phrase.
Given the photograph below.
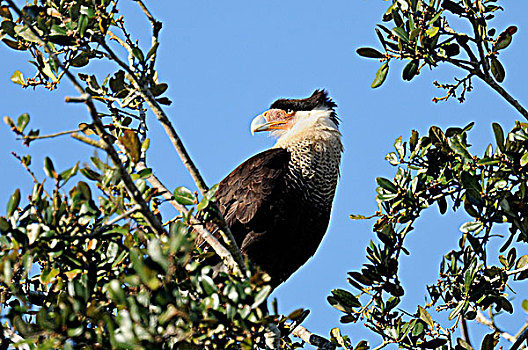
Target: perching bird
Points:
(278, 202)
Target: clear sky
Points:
(226, 61)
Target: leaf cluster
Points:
(439, 168)
(421, 35)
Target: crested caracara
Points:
(278, 202)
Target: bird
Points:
(278, 202)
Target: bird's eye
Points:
(289, 111)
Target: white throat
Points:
(313, 125)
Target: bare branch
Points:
(495, 86)
(89, 141)
(487, 322)
(31, 173)
(521, 339)
(49, 136)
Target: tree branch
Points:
(145, 93)
(231, 257)
(495, 86)
(313, 339)
(134, 192)
(487, 322)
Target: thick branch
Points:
(487, 322)
(231, 259)
(313, 339)
(495, 86)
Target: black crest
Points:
(319, 98)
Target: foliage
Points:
(440, 169)
(422, 36)
(88, 263)
(94, 262)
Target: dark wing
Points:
(274, 225)
(250, 187)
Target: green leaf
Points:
(15, 45)
(49, 169)
(362, 345)
(82, 24)
(67, 174)
(499, 136)
(27, 34)
(369, 52)
(18, 78)
(524, 159)
(158, 89)
(418, 329)
(431, 32)
(401, 33)
(47, 276)
(386, 184)
(505, 38)
(524, 305)
(424, 316)
(22, 122)
(433, 344)
(152, 50)
(489, 342)
(498, 70)
(4, 225)
(49, 72)
(261, 296)
(381, 74)
(522, 262)
(471, 226)
(410, 70)
(164, 101)
(457, 309)
(184, 196)
(346, 298)
(392, 158)
(13, 202)
(453, 7)
(414, 33)
(136, 51)
(208, 285)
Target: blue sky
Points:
(226, 61)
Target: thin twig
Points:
(38, 137)
(134, 192)
(31, 173)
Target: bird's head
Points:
(292, 119)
